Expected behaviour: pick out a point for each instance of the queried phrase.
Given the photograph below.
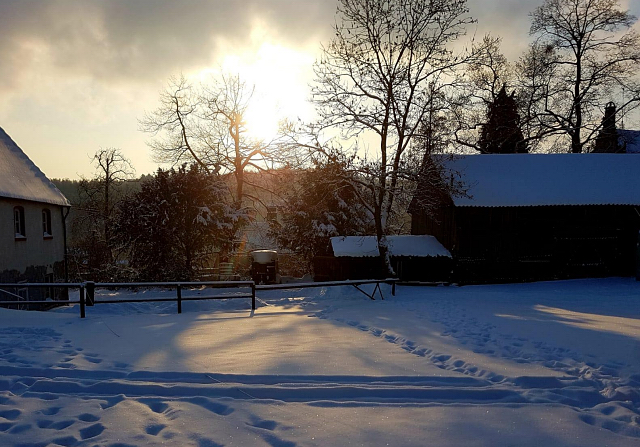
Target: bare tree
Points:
(225, 132)
(206, 124)
(99, 197)
(376, 77)
(580, 60)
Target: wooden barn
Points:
(528, 217)
(414, 258)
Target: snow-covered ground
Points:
(554, 363)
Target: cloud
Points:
(133, 40)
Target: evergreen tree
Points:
(174, 224)
(607, 139)
(501, 134)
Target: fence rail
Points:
(87, 289)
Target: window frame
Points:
(19, 230)
(47, 232)
(272, 213)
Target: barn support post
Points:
(91, 293)
(638, 258)
(253, 296)
(82, 310)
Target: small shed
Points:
(414, 258)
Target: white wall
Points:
(35, 250)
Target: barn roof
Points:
(20, 178)
(546, 179)
(405, 245)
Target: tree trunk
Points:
(576, 145)
(383, 247)
(238, 167)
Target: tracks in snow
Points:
(339, 390)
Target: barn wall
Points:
(536, 243)
(440, 223)
(407, 268)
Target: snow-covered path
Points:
(555, 363)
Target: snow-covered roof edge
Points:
(404, 245)
(527, 180)
(21, 179)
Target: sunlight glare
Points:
(281, 76)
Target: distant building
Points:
(610, 139)
(538, 216)
(32, 221)
(629, 141)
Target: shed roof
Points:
(405, 245)
(547, 179)
(20, 178)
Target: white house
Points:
(32, 220)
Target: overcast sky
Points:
(77, 75)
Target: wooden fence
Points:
(87, 296)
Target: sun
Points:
(262, 119)
(281, 77)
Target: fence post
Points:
(253, 296)
(91, 293)
(179, 291)
(82, 313)
(393, 288)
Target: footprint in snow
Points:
(158, 407)
(92, 431)
(61, 425)
(112, 402)
(17, 429)
(264, 424)
(92, 359)
(50, 411)
(10, 415)
(66, 441)
(88, 417)
(154, 429)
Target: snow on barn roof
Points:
(406, 245)
(20, 178)
(631, 139)
(547, 179)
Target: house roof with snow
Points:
(630, 139)
(495, 180)
(406, 245)
(20, 178)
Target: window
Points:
(272, 213)
(18, 222)
(46, 223)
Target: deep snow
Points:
(554, 363)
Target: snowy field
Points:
(554, 364)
